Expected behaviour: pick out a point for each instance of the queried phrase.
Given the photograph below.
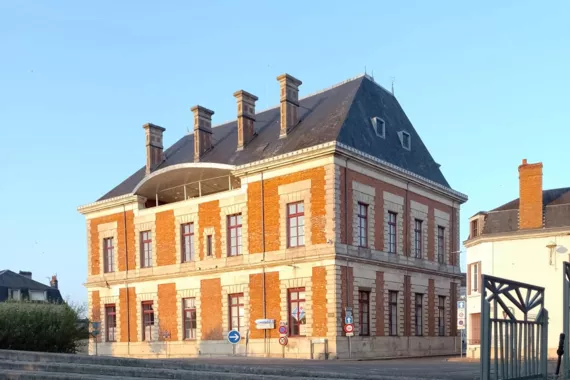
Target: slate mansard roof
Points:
(342, 113)
(505, 218)
(13, 280)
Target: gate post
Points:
(485, 342)
(544, 344)
(565, 318)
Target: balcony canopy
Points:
(184, 181)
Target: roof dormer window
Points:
(379, 126)
(405, 139)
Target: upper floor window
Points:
(393, 316)
(418, 238)
(364, 312)
(209, 245)
(108, 255)
(297, 316)
(147, 320)
(187, 234)
(474, 228)
(440, 244)
(392, 220)
(362, 224)
(236, 312)
(189, 317)
(296, 224)
(110, 323)
(475, 277)
(146, 249)
(441, 316)
(379, 126)
(234, 235)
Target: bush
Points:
(42, 327)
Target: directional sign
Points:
(234, 337)
(348, 320)
(282, 329)
(283, 340)
(461, 315)
(349, 328)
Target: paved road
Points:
(423, 368)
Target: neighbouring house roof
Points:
(505, 218)
(13, 280)
(342, 113)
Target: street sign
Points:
(461, 315)
(283, 340)
(348, 328)
(234, 337)
(348, 320)
(348, 312)
(282, 329)
(350, 334)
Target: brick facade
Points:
(128, 320)
(211, 306)
(530, 190)
(167, 307)
(319, 309)
(272, 300)
(165, 239)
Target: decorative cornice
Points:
(109, 203)
(517, 235)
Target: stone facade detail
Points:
(141, 227)
(180, 220)
(364, 194)
(108, 230)
(291, 193)
(394, 203)
(419, 211)
(240, 207)
(180, 295)
(442, 219)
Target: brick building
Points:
(290, 214)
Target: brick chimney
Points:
(289, 102)
(53, 283)
(530, 194)
(26, 274)
(154, 155)
(245, 117)
(202, 131)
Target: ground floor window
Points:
(475, 328)
(236, 312)
(110, 323)
(297, 316)
(148, 320)
(189, 317)
(393, 316)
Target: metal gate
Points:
(565, 317)
(514, 330)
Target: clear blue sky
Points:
(485, 84)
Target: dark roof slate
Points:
(342, 113)
(13, 280)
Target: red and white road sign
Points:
(282, 329)
(348, 328)
(283, 340)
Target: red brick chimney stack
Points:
(154, 154)
(530, 194)
(246, 117)
(289, 102)
(202, 131)
(53, 283)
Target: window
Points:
(441, 316)
(110, 323)
(146, 249)
(108, 255)
(405, 139)
(379, 126)
(236, 311)
(393, 317)
(297, 317)
(362, 225)
(148, 320)
(440, 244)
(209, 245)
(475, 326)
(475, 277)
(419, 314)
(189, 317)
(296, 224)
(234, 235)
(392, 218)
(14, 294)
(474, 229)
(418, 238)
(187, 233)
(364, 309)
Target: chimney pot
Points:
(289, 102)
(202, 131)
(154, 147)
(524, 161)
(530, 196)
(245, 117)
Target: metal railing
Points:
(513, 346)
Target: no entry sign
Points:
(283, 340)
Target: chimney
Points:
(53, 282)
(530, 195)
(154, 148)
(202, 131)
(289, 102)
(246, 117)
(26, 274)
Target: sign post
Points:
(96, 326)
(234, 337)
(461, 323)
(348, 328)
(284, 336)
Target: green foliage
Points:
(45, 327)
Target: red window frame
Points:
(362, 224)
(364, 312)
(392, 232)
(147, 319)
(209, 245)
(108, 255)
(110, 323)
(234, 235)
(419, 314)
(393, 315)
(187, 240)
(189, 318)
(440, 244)
(418, 223)
(146, 249)
(296, 302)
(295, 224)
(236, 311)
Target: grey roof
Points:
(505, 218)
(342, 113)
(14, 280)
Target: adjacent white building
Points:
(525, 240)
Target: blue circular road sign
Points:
(234, 337)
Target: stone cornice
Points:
(109, 203)
(517, 235)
